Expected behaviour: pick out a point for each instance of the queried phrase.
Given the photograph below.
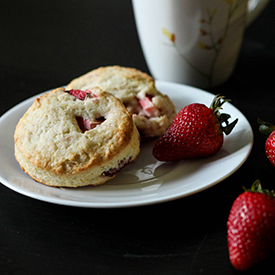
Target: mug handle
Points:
(255, 7)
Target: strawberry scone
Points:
(152, 111)
(72, 138)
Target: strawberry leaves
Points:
(223, 118)
(257, 187)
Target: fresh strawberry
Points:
(268, 129)
(251, 227)
(197, 131)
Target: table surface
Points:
(45, 44)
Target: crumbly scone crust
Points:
(131, 85)
(52, 149)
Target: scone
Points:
(152, 111)
(75, 138)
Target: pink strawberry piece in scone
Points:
(82, 95)
(85, 124)
(148, 106)
(78, 93)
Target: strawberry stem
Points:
(257, 187)
(216, 106)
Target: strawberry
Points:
(251, 227)
(268, 129)
(197, 131)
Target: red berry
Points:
(270, 148)
(268, 130)
(195, 132)
(251, 227)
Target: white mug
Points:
(195, 42)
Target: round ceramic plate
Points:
(144, 181)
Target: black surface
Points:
(44, 44)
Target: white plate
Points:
(144, 181)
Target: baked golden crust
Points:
(152, 111)
(51, 147)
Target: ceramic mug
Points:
(195, 42)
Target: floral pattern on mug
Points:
(206, 31)
(170, 36)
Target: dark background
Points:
(45, 44)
